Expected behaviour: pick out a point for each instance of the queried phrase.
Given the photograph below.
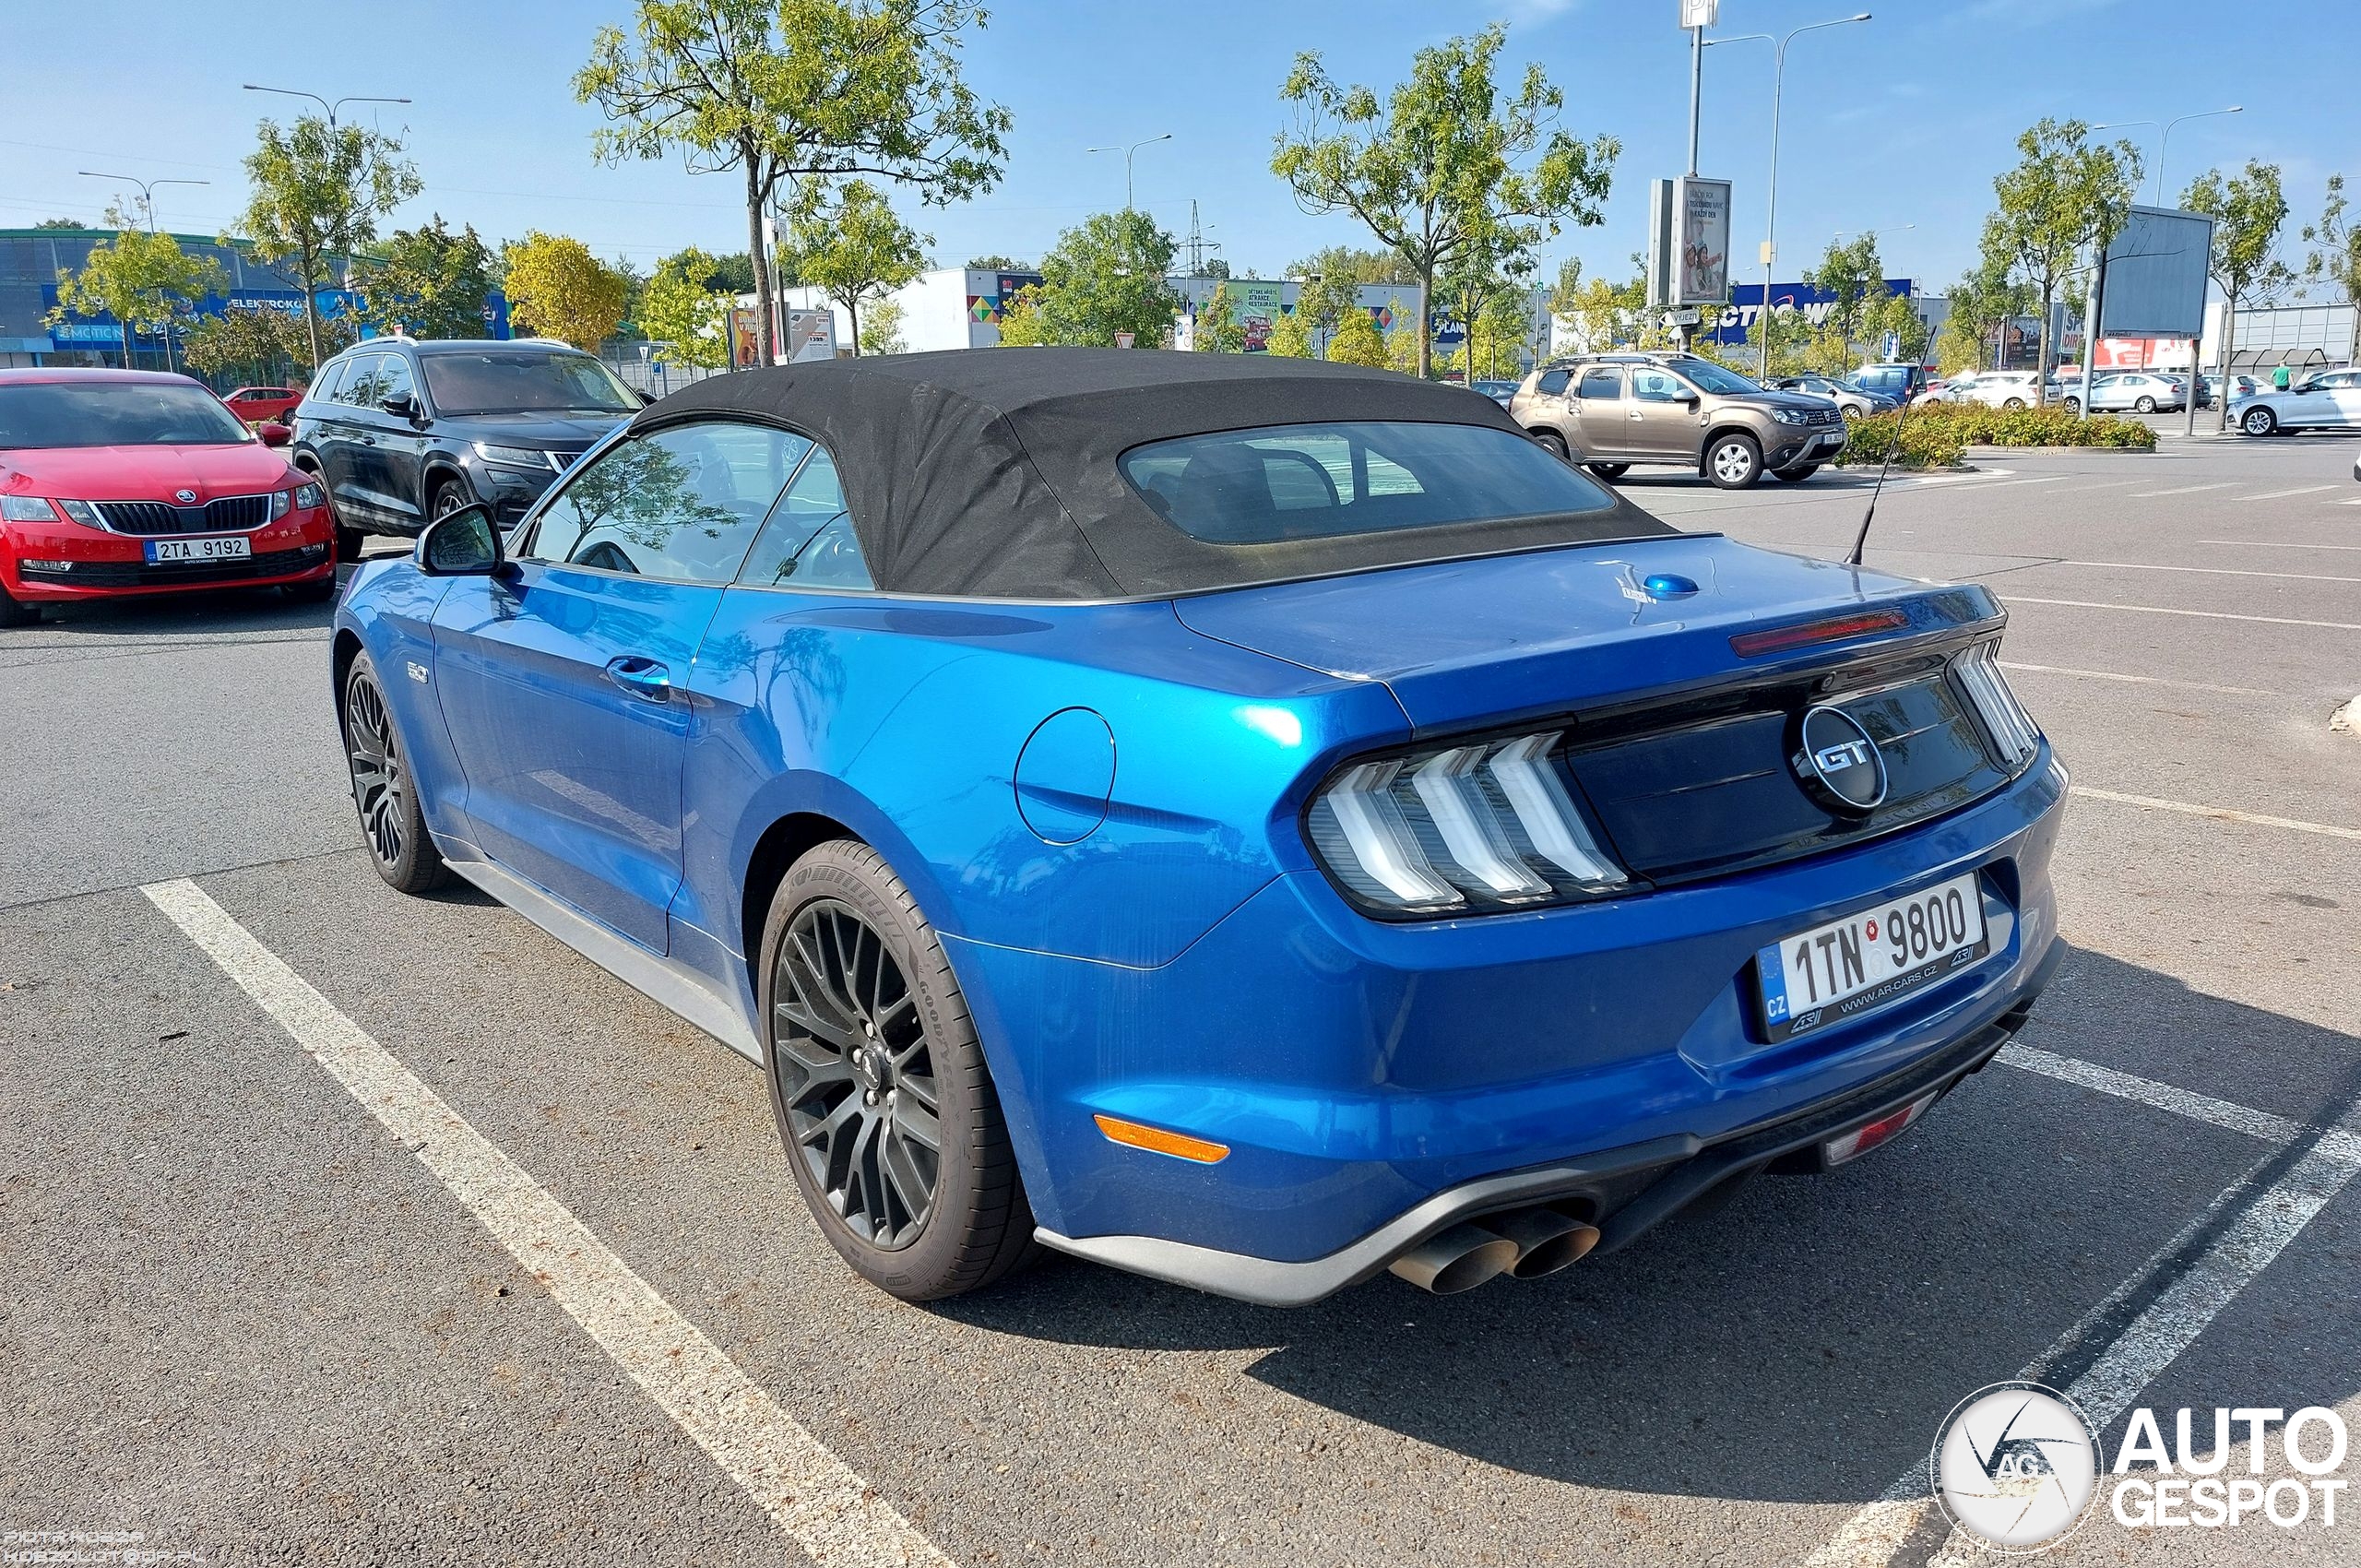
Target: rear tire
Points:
(1553, 443)
(1797, 476)
(1733, 461)
(310, 593)
(871, 1052)
(2014, 404)
(2143, 404)
(2074, 407)
(392, 828)
(1609, 470)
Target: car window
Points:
(360, 388)
(1603, 383)
(326, 384)
(1279, 482)
(120, 413)
(522, 381)
(807, 542)
(394, 378)
(1553, 382)
(1656, 385)
(680, 505)
(831, 559)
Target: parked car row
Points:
(1609, 412)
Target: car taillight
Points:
(2012, 730)
(1482, 825)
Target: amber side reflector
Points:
(1158, 1141)
(1835, 629)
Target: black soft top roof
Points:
(990, 472)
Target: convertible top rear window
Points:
(1328, 481)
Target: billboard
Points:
(1737, 317)
(2155, 275)
(1701, 242)
(1660, 262)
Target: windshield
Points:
(505, 380)
(61, 413)
(1295, 482)
(1717, 380)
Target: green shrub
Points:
(1935, 436)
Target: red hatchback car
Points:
(119, 483)
(258, 405)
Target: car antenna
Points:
(1861, 540)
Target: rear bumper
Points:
(1627, 1190)
(1374, 1083)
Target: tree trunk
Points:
(308, 260)
(852, 316)
(1426, 347)
(2229, 337)
(766, 306)
(2041, 359)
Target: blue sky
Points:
(1901, 120)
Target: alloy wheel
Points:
(1732, 462)
(379, 780)
(856, 1074)
(2259, 421)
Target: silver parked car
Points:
(2330, 400)
(2131, 391)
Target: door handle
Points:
(641, 677)
(368, 441)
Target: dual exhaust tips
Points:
(1527, 1244)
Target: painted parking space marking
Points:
(2219, 814)
(2138, 680)
(2182, 490)
(2209, 571)
(819, 1503)
(2118, 1347)
(2261, 1125)
(2197, 615)
(2283, 494)
(2275, 544)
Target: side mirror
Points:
(401, 405)
(465, 543)
(645, 399)
(272, 433)
(1687, 397)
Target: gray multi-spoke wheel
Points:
(855, 1074)
(2143, 404)
(391, 824)
(884, 1100)
(1734, 461)
(2259, 421)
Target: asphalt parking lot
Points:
(267, 1302)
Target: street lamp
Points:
(2166, 140)
(148, 201)
(1771, 220)
(331, 108)
(1127, 152)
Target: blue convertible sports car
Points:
(1248, 821)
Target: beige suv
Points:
(1609, 412)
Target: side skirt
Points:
(675, 986)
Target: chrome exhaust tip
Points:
(1458, 1259)
(1546, 1240)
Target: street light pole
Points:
(331, 108)
(2165, 142)
(1770, 218)
(147, 202)
(1127, 152)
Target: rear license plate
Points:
(198, 550)
(1875, 955)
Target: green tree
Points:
(1985, 299)
(2334, 257)
(433, 281)
(683, 310)
(559, 290)
(60, 223)
(1105, 276)
(143, 279)
(1022, 323)
(1290, 336)
(732, 274)
(2065, 200)
(1217, 329)
(2249, 210)
(998, 263)
(849, 244)
(1356, 341)
(1854, 274)
(1330, 281)
(262, 344)
(885, 328)
(1488, 290)
(317, 192)
(1444, 162)
(786, 90)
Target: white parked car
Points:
(2330, 400)
(2135, 391)
(2007, 389)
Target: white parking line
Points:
(2261, 1125)
(2219, 814)
(2184, 490)
(2199, 614)
(821, 1505)
(2283, 494)
(2265, 1221)
(2138, 680)
(2209, 571)
(2273, 545)
(2104, 485)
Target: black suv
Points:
(403, 431)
